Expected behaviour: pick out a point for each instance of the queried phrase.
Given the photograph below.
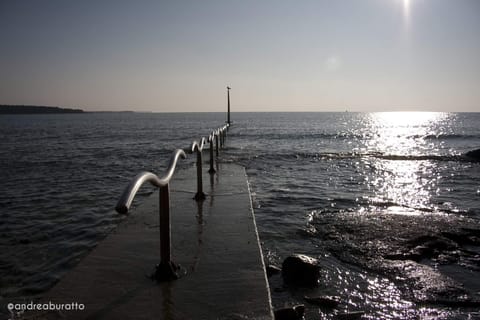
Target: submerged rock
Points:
(293, 313)
(301, 270)
(440, 249)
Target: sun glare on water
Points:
(395, 130)
(399, 178)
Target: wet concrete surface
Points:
(215, 242)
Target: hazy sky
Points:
(360, 55)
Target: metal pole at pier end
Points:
(228, 100)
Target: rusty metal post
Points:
(212, 169)
(199, 195)
(167, 269)
(164, 213)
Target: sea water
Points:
(387, 202)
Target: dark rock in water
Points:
(424, 247)
(293, 313)
(351, 315)
(329, 302)
(301, 270)
(431, 246)
(474, 154)
(271, 270)
(442, 248)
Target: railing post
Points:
(200, 195)
(221, 138)
(211, 170)
(167, 269)
(164, 213)
(216, 142)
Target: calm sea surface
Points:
(386, 201)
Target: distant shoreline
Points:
(31, 109)
(21, 109)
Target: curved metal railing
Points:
(125, 201)
(220, 134)
(167, 269)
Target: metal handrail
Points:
(223, 134)
(218, 134)
(225, 129)
(167, 269)
(125, 201)
(196, 146)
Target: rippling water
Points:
(386, 201)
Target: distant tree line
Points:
(17, 109)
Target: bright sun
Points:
(406, 11)
(406, 5)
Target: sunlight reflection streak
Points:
(398, 184)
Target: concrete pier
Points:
(215, 241)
